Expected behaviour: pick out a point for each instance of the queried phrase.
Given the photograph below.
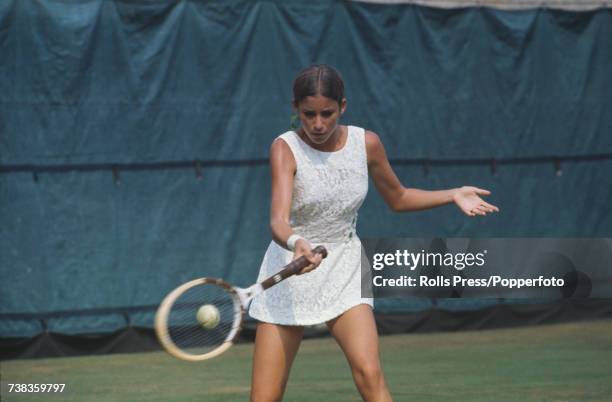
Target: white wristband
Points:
(292, 240)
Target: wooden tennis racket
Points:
(201, 319)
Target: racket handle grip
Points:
(320, 250)
(292, 268)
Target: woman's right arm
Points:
(283, 168)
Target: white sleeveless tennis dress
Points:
(328, 189)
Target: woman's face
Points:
(319, 116)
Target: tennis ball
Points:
(208, 316)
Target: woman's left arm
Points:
(401, 199)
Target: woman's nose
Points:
(318, 123)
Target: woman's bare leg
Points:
(355, 332)
(275, 349)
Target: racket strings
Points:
(187, 332)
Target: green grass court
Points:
(565, 362)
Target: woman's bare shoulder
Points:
(281, 153)
(374, 146)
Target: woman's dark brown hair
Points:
(318, 79)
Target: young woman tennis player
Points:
(319, 181)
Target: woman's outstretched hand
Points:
(302, 248)
(468, 200)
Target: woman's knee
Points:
(369, 375)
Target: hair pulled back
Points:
(318, 79)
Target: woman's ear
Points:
(342, 105)
(294, 125)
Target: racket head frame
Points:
(240, 298)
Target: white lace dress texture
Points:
(329, 188)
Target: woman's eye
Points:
(327, 114)
(309, 114)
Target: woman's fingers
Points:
(478, 211)
(485, 206)
(482, 191)
(314, 259)
(493, 208)
(482, 210)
